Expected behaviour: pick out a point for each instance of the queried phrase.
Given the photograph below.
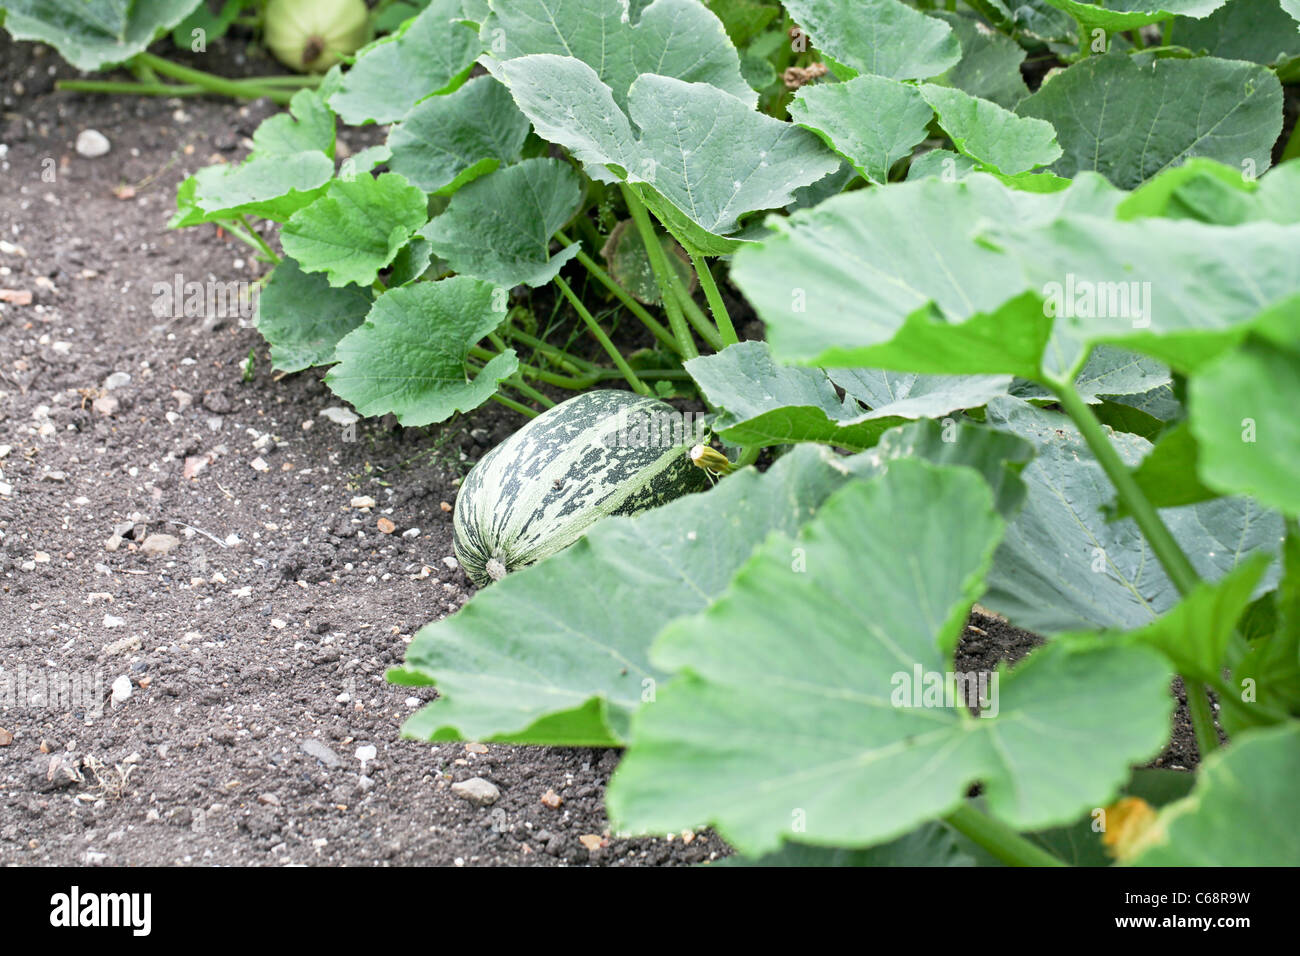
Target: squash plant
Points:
(1051, 334)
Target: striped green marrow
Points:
(600, 453)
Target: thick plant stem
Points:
(511, 403)
(1157, 533)
(659, 265)
(721, 318)
(632, 305)
(570, 363)
(130, 88)
(211, 82)
(517, 382)
(1154, 529)
(998, 838)
(261, 243)
(1198, 706)
(694, 314)
(610, 348)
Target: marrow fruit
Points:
(600, 453)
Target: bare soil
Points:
(258, 728)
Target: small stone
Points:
(340, 416)
(159, 544)
(270, 799)
(111, 620)
(6, 738)
(591, 841)
(57, 476)
(117, 380)
(552, 799)
(259, 464)
(124, 646)
(411, 533)
(451, 562)
(386, 526)
(91, 143)
(445, 506)
(315, 748)
(122, 690)
(183, 399)
(476, 790)
(476, 748)
(367, 753)
(363, 501)
(106, 405)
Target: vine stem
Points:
(261, 243)
(694, 314)
(998, 838)
(1154, 529)
(209, 81)
(721, 317)
(1157, 533)
(659, 265)
(511, 403)
(610, 348)
(636, 308)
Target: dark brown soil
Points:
(255, 649)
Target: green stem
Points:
(659, 265)
(209, 81)
(1154, 529)
(721, 317)
(128, 87)
(1198, 707)
(636, 308)
(998, 838)
(1157, 533)
(261, 243)
(519, 385)
(694, 314)
(570, 363)
(610, 349)
(511, 403)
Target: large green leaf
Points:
(837, 281)
(356, 228)
(1129, 121)
(871, 121)
(516, 664)
(1064, 566)
(303, 317)
(931, 844)
(990, 62)
(1242, 409)
(1126, 14)
(409, 356)
(1242, 811)
(1194, 635)
(446, 141)
(677, 38)
(881, 37)
(1257, 30)
(1267, 676)
(992, 135)
(1168, 476)
(791, 717)
(291, 161)
(499, 227)
(701, 154)
(432, 53)
(93, 34)
(762, 403)
(1180, 291)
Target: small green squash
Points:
(600, 453)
